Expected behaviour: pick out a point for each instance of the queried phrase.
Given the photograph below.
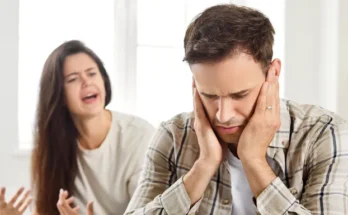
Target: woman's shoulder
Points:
(136, 131)
(131, 122)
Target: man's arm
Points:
(327, 183)
(157, 191)
(327, 158)
(183, 197)
(326, 188)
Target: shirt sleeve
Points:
(326, 187)
(157, 192)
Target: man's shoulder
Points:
(309, 123)
(180, 122)
(310, 114)
(176, 138)
(180, 128)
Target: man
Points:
(243, 150)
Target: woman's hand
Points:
(64, 205)
(16, 205)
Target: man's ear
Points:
(276, 66)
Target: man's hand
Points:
(211, 151)
(264, 123)
(258, 134)
(64, 203)
(210, 155)
(16, 206)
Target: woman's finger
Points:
(23, 199)
(70, 200)
(15, 197)
(90, 208)
(76, 209)
(2, 195)
(60, 208)
(25, 205)
(60, 204)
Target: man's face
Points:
(229, 90)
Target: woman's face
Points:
(84, 89)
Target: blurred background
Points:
(141, 44)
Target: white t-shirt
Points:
(242, 197)
(109, 174)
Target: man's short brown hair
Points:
(224, 30)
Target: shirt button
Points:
(226, 202)
(293, 191)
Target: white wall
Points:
(343, 60)
(301, 50)
(316, 52)
(308, 55)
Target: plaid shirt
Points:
(310, 151)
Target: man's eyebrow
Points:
(241, 92)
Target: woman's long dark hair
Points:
(54, 157)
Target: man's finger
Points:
(261, 103)
(15, 197)
(271, 75)
(90, 208)
(198, 106)
(277, 96)
(23, 199)
(273, 95)
(193, 85)
(271, 99)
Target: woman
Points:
(81, 148)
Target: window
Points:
(41, 29)
(140, 42)
(163, 81)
